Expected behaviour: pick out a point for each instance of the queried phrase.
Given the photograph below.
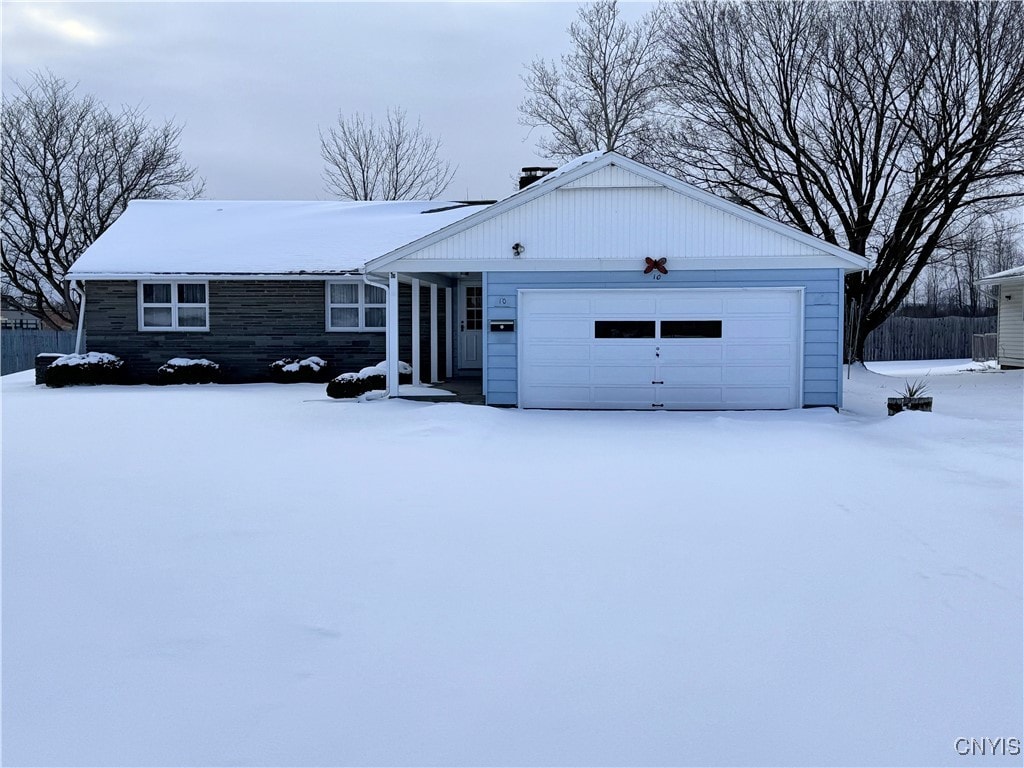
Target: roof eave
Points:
(293, 275)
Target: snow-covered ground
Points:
(257, 575)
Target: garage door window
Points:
(691, 329)
(623, 329)
(648, 329)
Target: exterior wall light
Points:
(517, 249)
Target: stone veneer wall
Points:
(252, 324)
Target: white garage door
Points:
(683, 349)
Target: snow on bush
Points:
(404, 371)
(184, 370)
(90, 368)
(289, 369)
(366, 380)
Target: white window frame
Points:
(361, 307)
(174, 305)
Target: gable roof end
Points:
(593, 162)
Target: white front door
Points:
(676, 349)
(471, 325)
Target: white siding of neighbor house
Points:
(1010, 327)
(614, 214)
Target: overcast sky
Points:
(252, 82)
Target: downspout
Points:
(78, 286)
(388, 330)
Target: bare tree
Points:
(604, 94)
(69, 165)
(981, 246)
(874, 126)
(392, 160)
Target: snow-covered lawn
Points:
(256, 575)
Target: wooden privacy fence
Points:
(19, 347)
(926, 338)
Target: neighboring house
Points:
(605, 284)
(1009, 296)
(12, 318)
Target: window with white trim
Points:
(355, 306)
(173, 306)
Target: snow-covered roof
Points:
(211, 237)
(999, 277)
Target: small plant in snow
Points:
(911, 397)
(90, 368)
(184, 370)
(913, 389)
(290, 369)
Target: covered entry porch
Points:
(435, 322)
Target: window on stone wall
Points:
(353, 306)
(175, 306)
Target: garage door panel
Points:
(750, 353)
(625, 395)
(629, 352)
(757, 375)
(683, 375)
(603, 348)
(758, 304)
(557, 304)
(625, 305)
(636, 375)
(557, 397)
(561, 353)
(690, 306)
(616, 398)
(692, 352)
(560, 328)
(760, 397)
(558, 373)
(682, 398)
(760, 328)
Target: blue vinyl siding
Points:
(823, 318)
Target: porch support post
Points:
(415, 331)
(392, 334)
(449, 335)
(433, 334)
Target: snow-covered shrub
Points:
(184, 370)
(291, 369)
(90, 368)
(368, 379)
(404, 371)
(347, 385)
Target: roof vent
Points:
(532, 174)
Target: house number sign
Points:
(656, 266)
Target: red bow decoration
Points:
(655, 265)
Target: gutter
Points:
(78, 286)
(392, 386)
